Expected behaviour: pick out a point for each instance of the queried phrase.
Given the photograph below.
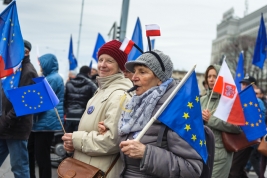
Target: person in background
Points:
(15, 131)
(94, 74)
(78, 92)
(106, 105)
(46, 123)
(128, 74)
(223, 158)
(242, 157)
(72, 75)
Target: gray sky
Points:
(187, 26)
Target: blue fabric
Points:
(18, 156)
(11, 43)
(72, 60)
(183, 115)
(239, 74)
(0, 99)
(33, 98)
(99, 42)
(12, 81)
(137, 38)
(255, 123)
(260, 47)
(48, 121)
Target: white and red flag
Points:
(127, 46)
(6, 72)
(229, 108)
(152, 30)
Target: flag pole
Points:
(60, 120)
(209, 100)
(165, 104)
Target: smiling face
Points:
(107, 66)
(144, 78)
(211, 78)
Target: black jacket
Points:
(78, 91)
(11, 126)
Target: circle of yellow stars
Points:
(259, 121)
(29, 106)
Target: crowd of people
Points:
(105, 107)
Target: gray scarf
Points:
(139, 110)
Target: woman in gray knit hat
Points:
(161, 152)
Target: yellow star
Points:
(197, 99)
(38, 93)
(41, 102)
(250, 103)
(22, 101)
(34, 107)
(22, 96)
(252, 125)
(25, 93)
(259, 121)
(33, 91)
(246, 123)
(194, 137)
(260, 115)
(190, 105)
(187, 127)
(30, 107)
(39, 106)
(259, 110)
(201, 142)
(26, 105)
(4, 39)
(256, 105)
(29, 91)
(245, 105)
(238, 74)
(257, 124)
(205, 142)
(186, 115)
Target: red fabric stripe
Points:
(218, 87)
(3, 72)
(153, 33)
(236, 115)
(129, 47)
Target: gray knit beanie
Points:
(153, 64)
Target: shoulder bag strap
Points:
(112, 164)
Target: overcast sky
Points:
(187, 26)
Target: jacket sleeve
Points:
(181, 160)
(94, 144)
(221, 125)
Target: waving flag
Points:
(4, 72)
(72, 59)
(33, 98)
(152, 30)
(11, 43)
(99, 42)
(127, 46)
(137, 38)
(261, 46)
(239, 74)
(229, 108)
(255, 124)
(183, 115)
(12, 81)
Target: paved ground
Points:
(5, 171)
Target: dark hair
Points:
(85, 70)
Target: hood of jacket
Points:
(49, 64)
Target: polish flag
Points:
(229, 108)
(6, 72)
(127, 46)
(152, 30)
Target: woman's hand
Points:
(133, 148)
(206, 115)
(68, 144)
(102, 129)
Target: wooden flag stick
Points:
(60, 120)
(209, 100)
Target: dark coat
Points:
(11, 126)
(78, 92)
(175, 157)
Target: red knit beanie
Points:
(112, 48)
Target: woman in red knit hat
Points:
(105, 106)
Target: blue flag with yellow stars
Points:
(11, 43)
(255, 124)
(72, 59)
(183, 115)
(12, 81)
(239, 74)
(33, 98)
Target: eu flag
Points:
(260, 47)
(99, 42)
(239, 74)
(255, 124)
(33, 98)
(12, 81)
(183, 115)
(137, 38)
(72, 59)
(11, 43)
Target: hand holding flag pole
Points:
(165, 104)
